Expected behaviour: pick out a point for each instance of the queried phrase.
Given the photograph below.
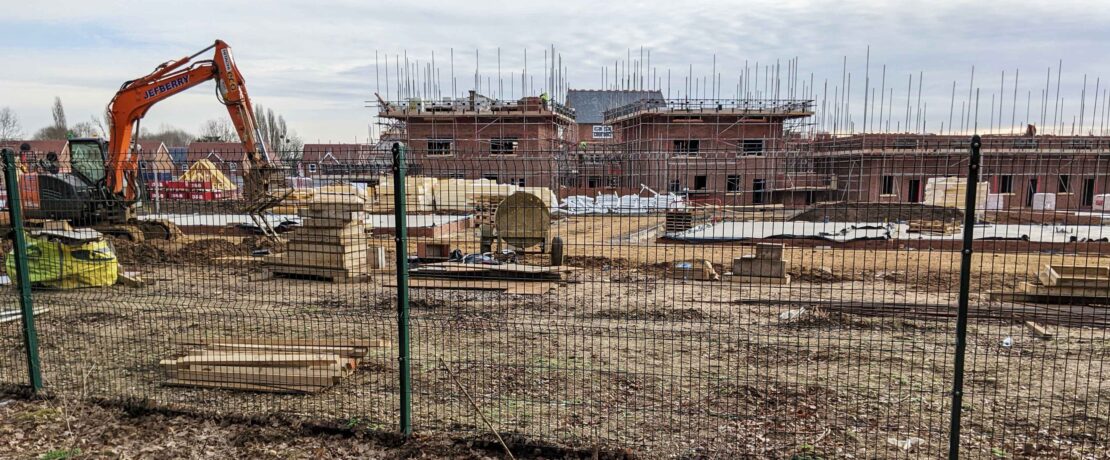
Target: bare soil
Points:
(619, 357)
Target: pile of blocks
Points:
(331, 244)
(765, 267)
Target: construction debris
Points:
(330, 245)
(267, 365)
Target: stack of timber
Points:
(330, 245)
(510, 278)
(933, 227)
(677, 221)
(766, 266)
(1064, 284)
(266, 365)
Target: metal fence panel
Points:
(753, 302)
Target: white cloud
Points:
(313, 61)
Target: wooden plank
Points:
(1073, 276)
(325, 222)
(340, 203)
(244, 386)
(332, 274)
(260, 359)
(1058, 291)
(280, 341)
(326, 248)
(530, 288)
(351, 261)
(321, 377)
(324, 212)
(502, 267)
(16, 315)
(1037, 330)
(784, 279)
(436, 283)
(347, 352)
(311, 233)
(509, 287)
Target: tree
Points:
(277, 136)
(169, 135)
(10, 128)
(86, 129)
(216, 130)
(59, 130)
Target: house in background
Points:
(229, 157)
(155, 162)
(179, 155)
(341, 162)
(590, 105)
(30, 152)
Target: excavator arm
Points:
(136, 97)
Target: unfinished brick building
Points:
(478, 137)
(732, 152)
(896, 167)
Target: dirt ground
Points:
(63, 429)
(618, 357)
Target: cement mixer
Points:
(522, 221)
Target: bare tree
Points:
(10, 128)
(86, 129)
(276, 134)
(169, 135)
(58, 130)
(217, 130)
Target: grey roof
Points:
(589, 104)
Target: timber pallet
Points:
(265, 365)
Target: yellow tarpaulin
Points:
(204, 171)
(57, 265)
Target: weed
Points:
(60, 454)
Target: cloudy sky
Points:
(314, 62)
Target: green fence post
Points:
(965, 292)
(401, 238)
(15, 213)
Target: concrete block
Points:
(768, 251)
(750, 266)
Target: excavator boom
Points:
(135, 98)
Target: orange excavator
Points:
(104, 186)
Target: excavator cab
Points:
(75, 191)
(87, 158)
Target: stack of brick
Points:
(331, 244)
(765, 267)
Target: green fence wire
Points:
(616, 301)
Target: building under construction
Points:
(731, 152)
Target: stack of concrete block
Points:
(331, 244)
(765, 267)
